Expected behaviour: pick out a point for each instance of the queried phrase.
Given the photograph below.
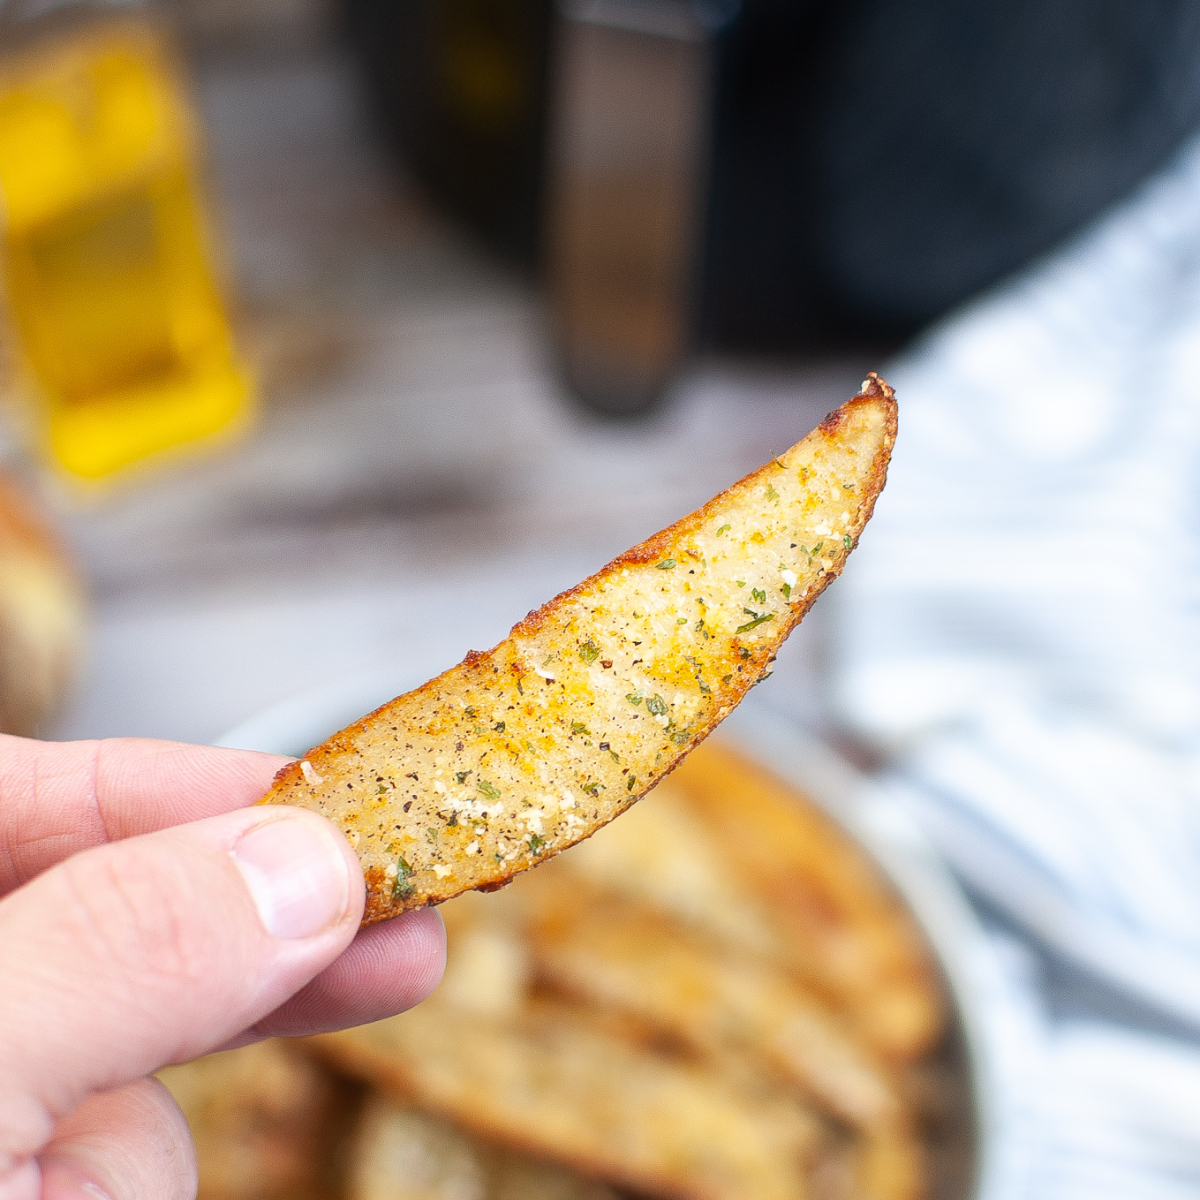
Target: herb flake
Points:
(401, 888)
(756, 619)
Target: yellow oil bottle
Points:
(119, 325)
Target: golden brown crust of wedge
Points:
(841, 924)
(558, 1083)
(624, 956)
(267, 1122)
(519, 752)
(401, 1153)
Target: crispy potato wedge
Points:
(267, 1122)
(620, 956)
(519, 752)
(842, 922)
(523, 1071)
(623, 956)
(733, 853)
(609, 953)
(400, 1153)
(558, 1085)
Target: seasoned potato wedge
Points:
(725, 848)
(842, 924)
(519, 752)
(626, 957)
(401, 1153)
(558, 1084)
(267, 1122)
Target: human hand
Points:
(148, 917)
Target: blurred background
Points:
(415, 263)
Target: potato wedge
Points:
(844, 925)
(727, 849)
(714, 1000)
(623, 956)
(562, 1086)
(400, 1153)
(267, 1122)
(519, 752)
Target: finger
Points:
(129, 1144)
(61, 798)
(386, 969)
(157, 949)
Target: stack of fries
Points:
(716, 997)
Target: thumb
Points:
(157, 949)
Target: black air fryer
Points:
(771, 175)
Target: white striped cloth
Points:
(1020, 633)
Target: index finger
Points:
(58, 798)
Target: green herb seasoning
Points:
(759, 595)
(634, 698)
(536, 842)
(580, 727)
(499, 727)
(772, 494)
(756, 619)
(589, 651)
(656, 705)
(724, 529)
(629, 784)
(491, 792)
(847, 542)
(401, 888)
(666, 564)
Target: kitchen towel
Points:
(1019, 636)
